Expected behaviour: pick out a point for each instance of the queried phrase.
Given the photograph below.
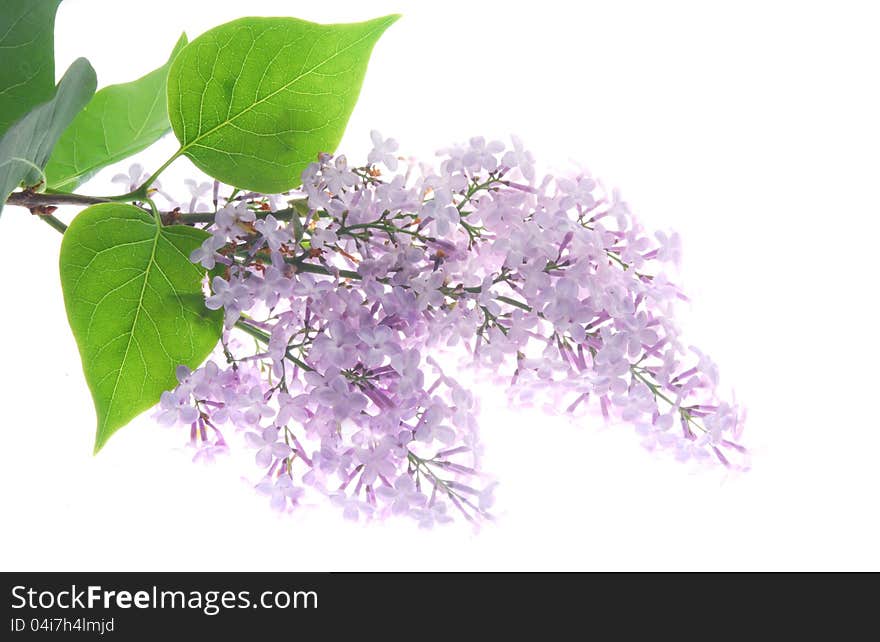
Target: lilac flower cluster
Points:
(346, 293)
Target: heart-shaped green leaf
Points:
(26, 146)
(120, 120)
(27, 43)
(255, 100)
(135, 304)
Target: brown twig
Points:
(32, 200)
(42, 204)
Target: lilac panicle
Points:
(338, 298)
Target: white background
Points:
(750, 127)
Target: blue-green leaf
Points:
(26, 146)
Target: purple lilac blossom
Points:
(550, 285)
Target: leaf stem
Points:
(161, 169)
(53, 222)
(155, 211)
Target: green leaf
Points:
(121, 120)
(27, 44)
(255, 100)
(135, 304)
(26, 146)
